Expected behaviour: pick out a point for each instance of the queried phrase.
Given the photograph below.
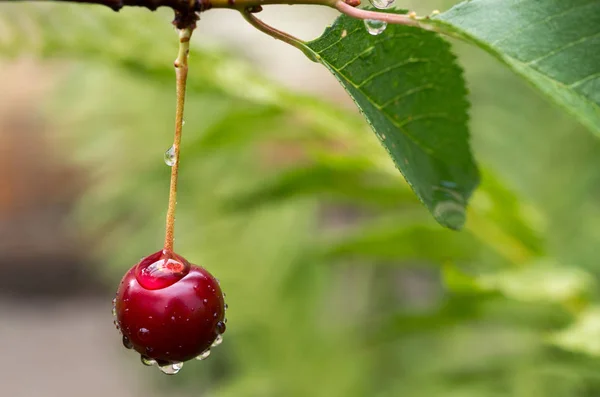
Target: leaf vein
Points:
(339, 39)
(581, 40)
(406, 94)
(584, 80)
(409, 61)
(369, 49)
(540, 22)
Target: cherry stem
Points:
(181, 71)
(277, 34)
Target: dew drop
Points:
(114, 307)
(127, 343)
(221, 327)
(170, 156)
(204, 355)
(382, 4)
(171, 368)
(205, 300)
(217, 341)
(143, 333)
(449, 205)
(450, 213)
(147, 361)
(374, 26)
(226, 306)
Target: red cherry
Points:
(169, 310)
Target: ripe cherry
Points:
(169, 310)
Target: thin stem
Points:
(278, 34)
(181, 71)
(358, 13)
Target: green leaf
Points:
(410, 89)
(543, 281)
(381, 241)
(552, 43)
(583, 335)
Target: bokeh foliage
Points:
(339, 282)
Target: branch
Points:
(187, 6)
(152, 5)
(186, 10)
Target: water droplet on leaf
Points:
(449, 205)
(375, 27)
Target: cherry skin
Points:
(169, 310)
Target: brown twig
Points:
(177, 5)
(186, 10)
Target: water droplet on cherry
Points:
(147, 361)
(171, 368)
(127, 343)
(143, 333)
(218, 341)
(204, 355)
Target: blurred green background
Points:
(339, 283)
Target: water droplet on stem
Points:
(382, 4)
(374, 26)
(170, 156)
